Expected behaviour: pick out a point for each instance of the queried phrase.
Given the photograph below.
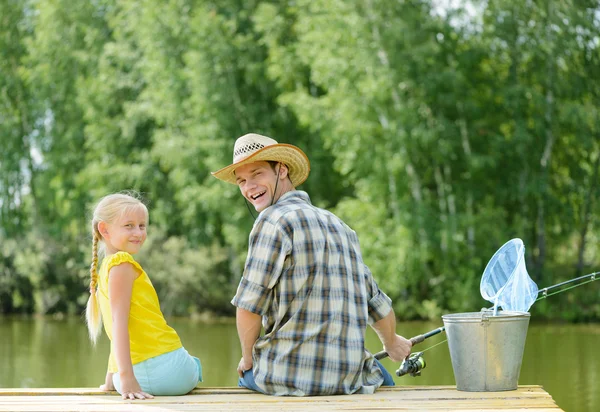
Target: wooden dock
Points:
(400, 398)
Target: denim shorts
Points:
(248, 380)
(170, 374)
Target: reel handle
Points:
(414, 340)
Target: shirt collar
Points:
(295, 195)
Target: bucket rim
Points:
(487, 315)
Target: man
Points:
(305, 277)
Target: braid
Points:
(94, 267)
(92, 313)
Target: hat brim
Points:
(296, 160)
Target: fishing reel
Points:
(413, 365)
(415, 362)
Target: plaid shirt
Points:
(305, 276)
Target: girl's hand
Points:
(108, 383)
(130, 389)
(107, 388)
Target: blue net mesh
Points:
(505, 281)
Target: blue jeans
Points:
(248, 380)
(387, 377)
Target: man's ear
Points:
(103, 229)
(283, 171)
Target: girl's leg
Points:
(174, 373)
(170, 374)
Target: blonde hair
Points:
(108, 209)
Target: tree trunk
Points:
(443, 205)
(464, 133)
(546, 155)
(586, 216)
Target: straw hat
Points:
(254, 147)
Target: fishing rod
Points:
(544, 291)
(414, 363)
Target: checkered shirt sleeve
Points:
(379, 303)
(268, 249)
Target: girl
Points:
(146, 355)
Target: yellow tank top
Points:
(149, 334)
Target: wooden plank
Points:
(525, 398)
(233, 390)
(236, 406)
(142, 406)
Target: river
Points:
(45, 352)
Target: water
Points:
(57, 353)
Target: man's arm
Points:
(396, 346)
(248, 327)
(268, 249)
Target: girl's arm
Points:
(120, 287)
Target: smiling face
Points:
(127, 233)
(257, 182)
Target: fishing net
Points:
(505, 281)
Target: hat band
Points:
(246, 150)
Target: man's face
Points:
(257, 183)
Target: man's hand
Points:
(244, 366)
(398, 349)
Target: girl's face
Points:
(127, 233)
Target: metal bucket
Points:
(486, 351)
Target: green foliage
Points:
(435, 133)
(189, 280)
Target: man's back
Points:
(306, 276)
